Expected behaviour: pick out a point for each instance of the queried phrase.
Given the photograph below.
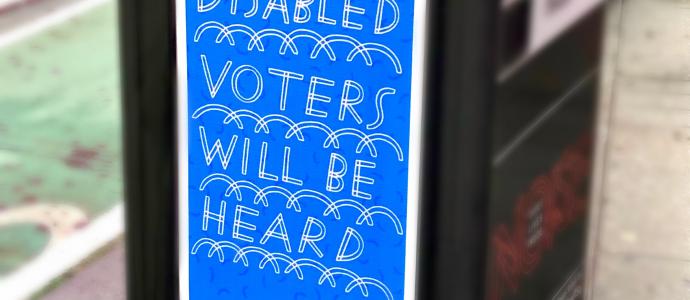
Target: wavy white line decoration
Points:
(295, 129)
(287, 42)
(332, 272)
(363, 49)
(323, 43)
(340, 38)
(293, 200)
(304, 33)
(217, 247)
(363, 283)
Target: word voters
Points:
(282, 231)
(246, 83)
(350, 14)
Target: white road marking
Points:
(44, 22)
(61, 257)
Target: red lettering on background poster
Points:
(554, 201)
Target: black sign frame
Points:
(455, 157)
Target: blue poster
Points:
(300, 141)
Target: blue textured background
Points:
(384, 253)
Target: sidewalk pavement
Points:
(640, 246)
(102, 279)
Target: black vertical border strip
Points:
(148, 54)
(460, 80)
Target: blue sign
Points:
(300, 125)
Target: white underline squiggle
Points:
(293, 200)
(295, 129)
(217, 247)
(323, 43)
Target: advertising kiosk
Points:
(340, 149)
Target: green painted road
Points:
(60, 142)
